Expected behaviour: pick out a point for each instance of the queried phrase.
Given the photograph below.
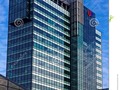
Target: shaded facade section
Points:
(77, 21)
(89, 60)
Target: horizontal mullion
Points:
(56, 65)
(52, 27)
(39, 27)
(52, 41)
(53, 49)
(51, 71)
(52, 19)
(49, 55)
(46, 8)
(51, 79)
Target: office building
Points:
(52, 45)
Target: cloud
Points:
(105, 78)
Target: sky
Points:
(100, 7)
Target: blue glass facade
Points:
(20, 43)
(39, 51)
(89, 61)
(51, 46)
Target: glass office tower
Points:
(39, 45)
(89, 60)
(51, 47)
(20, 42)
(48, 45)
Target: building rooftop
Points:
(65, 3)
(6, 84)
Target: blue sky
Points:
(100, 7)
(3, 34)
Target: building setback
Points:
(53, 46)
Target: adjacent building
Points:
(6, 84)
(53, 45)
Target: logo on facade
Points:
(18, 22)
(89, 13)
(93, 22)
